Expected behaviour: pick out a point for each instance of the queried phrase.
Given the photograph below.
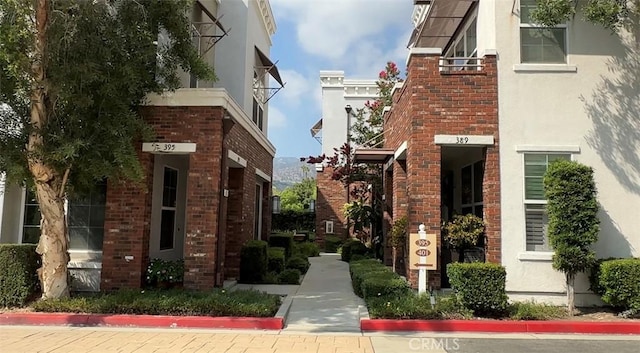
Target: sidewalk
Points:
(325, 301)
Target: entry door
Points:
(168, 207)
(257, 230)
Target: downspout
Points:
(227, 124)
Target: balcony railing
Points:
(461, 65)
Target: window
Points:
(169, 208)
(535, 165)
(258, 99)
(472, 176)
(540, 45)
(328, 227)
(465, 46)
(85, 217)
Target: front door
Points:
(168, 207)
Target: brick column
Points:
(331, 196)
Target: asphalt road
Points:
(541, 345)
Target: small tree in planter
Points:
(573, 219)
(397, 237)
(463, 232)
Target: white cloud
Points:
(277, 119)
(333, 29)
(296, 88)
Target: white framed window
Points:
(464, 48)
(536, 221)
(471, 177)
(328, 227)
(258, 99)
(169, 208)
(538, 44)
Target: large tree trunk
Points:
(571, 294)
(49, 185)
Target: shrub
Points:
(276, 260)
(331, 244)
(172, 302)
(479, 287)
(352, 247)
(463, 232)
(594, 275)
(383, 284)
(358, 257)
(253, 262)
(535, 311)
(360, 270)
(164, 271)
(288, 220)
(18, 277)
(271, 278)
(289, 276)
(308, 249)
(299, 263)
(282, 241)
(620, 283)
(416, 307)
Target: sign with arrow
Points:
(423, 251)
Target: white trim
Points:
(23, 200)
(548, 148)
(319, 167)
(396, 87)
(386, 109)
(401, 152)
(389, 164)
(169, 147)
(263, 175)
(237, 159)
(212, 97)
(484, 52)
(545, 68)
(467, 140)
(535, 256)
(423, 51)
(328, 227)
(84, 265)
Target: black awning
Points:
(268, 65)
(441, 23)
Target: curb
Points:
(258, 323)
(632, 328)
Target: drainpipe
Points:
(227, 124)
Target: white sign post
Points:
(422, 271)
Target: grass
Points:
(240, 303)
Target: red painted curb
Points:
(266, 323)
(621, 327)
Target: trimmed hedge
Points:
(299, 263)
(276, 260)
(282, 241)
(308, 249)
(331, 244)
(352, 247)
(253, 262)
(18, 275)
(372, 279)
(289, 276)
(288, 220)
(479, 287)
(359, 270)
(619, 281)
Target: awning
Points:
(203, 29)
(441, 23)
(316, 131)
(269, 67)
(372, 155)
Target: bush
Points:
(383, 284)
(271, 278)
(416, 307)
(288, 220)
(331, 244)
(172, 302)
(289, 276)
(282, 241)
(164, 271)
(535, 311)
(299, 263)
(358, 257)
(594, 276)
(253, 262)
(18, 277)
(479, 287)
(360, 270)
(352, 247)
(276, 260)
(620, 283)
(308, 249)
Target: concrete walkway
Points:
(325, 301)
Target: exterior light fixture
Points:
(275, 201)
(312, 206)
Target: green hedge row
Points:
(331, 244)
(289, 220)
(253, 262)
(18, 274)
(353, 247)
(479, 287)
(299, 263)
(284, 240)
(372, 279)
(617, 281)
(276, 259)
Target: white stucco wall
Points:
(12, 201)
(593, 107)
(337, 93)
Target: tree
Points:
(463, 232)
(72, 75)
(572, 209)
(298, 196)
(398, 235)
(611, 14)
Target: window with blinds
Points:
(535, 166)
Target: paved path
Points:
(325, 301)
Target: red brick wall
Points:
(432, 103)
(331, 196)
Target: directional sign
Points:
(422, 252)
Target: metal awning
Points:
(205, 29)
(316, 131)
(441, 23)
(269, 67)
(372, 155)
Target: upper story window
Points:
(258, 100)
(540, 45)
(261, 91)
(463, 52)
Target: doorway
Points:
(168, 209)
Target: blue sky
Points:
(356, 36)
